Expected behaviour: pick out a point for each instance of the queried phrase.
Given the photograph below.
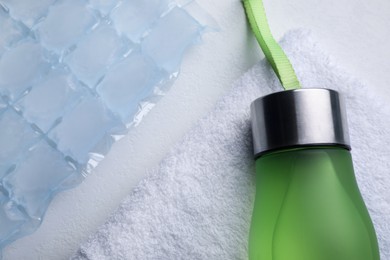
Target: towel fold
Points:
(198, 203)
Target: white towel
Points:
(198, 204)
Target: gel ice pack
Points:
(74, 76)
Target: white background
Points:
(355, 32)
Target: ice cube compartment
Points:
(128, 82)
(47, 102)
(94, 53)
(65, 24)
(74, 75)
(16, 135)
(21, 67)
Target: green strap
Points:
(273, 52)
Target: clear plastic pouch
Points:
(74, 77)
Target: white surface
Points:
(194, 208)
(356, 32)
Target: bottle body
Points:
(308, 207)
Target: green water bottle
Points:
(308, 205)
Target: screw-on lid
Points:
(299, 117)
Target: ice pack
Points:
(75, 75)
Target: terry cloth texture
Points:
(198, 203)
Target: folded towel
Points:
(198, 204)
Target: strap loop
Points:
(273, 52)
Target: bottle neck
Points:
(302, 147)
